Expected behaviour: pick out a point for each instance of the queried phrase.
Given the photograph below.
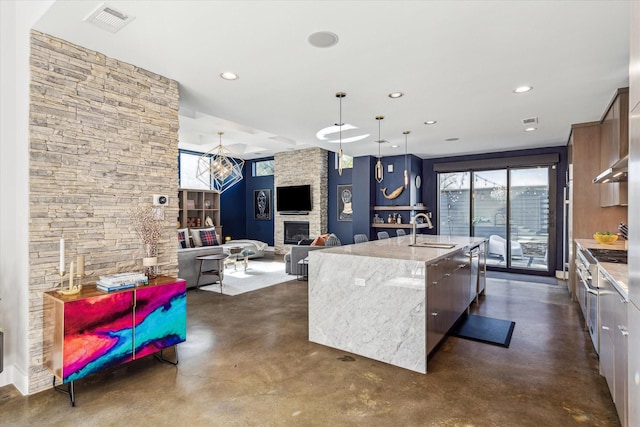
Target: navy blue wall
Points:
(364, 194)
(232, 212)
(342, 229)
(258, 229)
(430, 183)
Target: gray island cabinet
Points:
(389, 301)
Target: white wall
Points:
(16, 20)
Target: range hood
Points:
(616, 173)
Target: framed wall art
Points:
(345, 205)
(262, 204)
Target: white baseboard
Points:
(13, 375)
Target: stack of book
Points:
(119, 281)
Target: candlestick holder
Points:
(73, 288)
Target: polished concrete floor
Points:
(247, 362)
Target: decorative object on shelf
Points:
(379, 170)
(345, 205)
(148, 229)
(262, 204)
(78, 274)
(191, 204)
(208, 222)
(394, 194)
(220, 168)
(150, 260)
(340, 95)
(406, 159)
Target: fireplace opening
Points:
(294, 231)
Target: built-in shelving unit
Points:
(195, 206)
(399, 209)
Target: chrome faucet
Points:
(414, 223)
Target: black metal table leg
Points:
(162, 359)
(70, 391)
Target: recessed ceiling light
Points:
(396, 94)
(430, 122)
(394, 146)
(522, 89)
(530, 129)
(452, 139)
(323, 39)
(228, 75)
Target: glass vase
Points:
(150, 260)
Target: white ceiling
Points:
(457, 62)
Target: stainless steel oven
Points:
(587, 293)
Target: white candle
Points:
(71, 276)
(61, 255)
(80, 265)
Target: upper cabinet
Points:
(614, 149)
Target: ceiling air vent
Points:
(529, 121)
(108, 18)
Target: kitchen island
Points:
(390, 301)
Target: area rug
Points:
(259, 274)
(484, 329)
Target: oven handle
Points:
(590, 289)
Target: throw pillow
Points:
(185, 237)
(318, 241)
(181, 240)
(208, 238)
(195, 236)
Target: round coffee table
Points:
(219, 270)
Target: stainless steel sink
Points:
(435, 245)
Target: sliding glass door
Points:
(510, 207)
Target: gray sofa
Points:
(189, 266)
(297, 253)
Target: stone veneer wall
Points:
(103, 139)
(301, 167)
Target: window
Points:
(188, 167)
(263, 167)
(347, 161)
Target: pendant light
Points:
(340, 95)
(406, 159)
(379, 170)
(219, 168)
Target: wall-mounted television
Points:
(294, 199)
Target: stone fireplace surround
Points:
(301, 167)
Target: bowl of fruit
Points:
(605, 238)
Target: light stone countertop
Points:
(398, 247)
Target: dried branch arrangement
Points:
(147, 227)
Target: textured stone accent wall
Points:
(301, 167)
(103, 139)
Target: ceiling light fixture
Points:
(323, 39)
(219, 168)
(430, 122)
(340, 95)
(530, 129)
(406, 159)
(396, 95)
(378, 172)
(228, 75)
(522, 89)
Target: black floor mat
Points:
(484, 329)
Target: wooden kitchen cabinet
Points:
(448, 295)
(614, 145)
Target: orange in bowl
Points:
(605, 239)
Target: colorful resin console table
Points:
(93, 330)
